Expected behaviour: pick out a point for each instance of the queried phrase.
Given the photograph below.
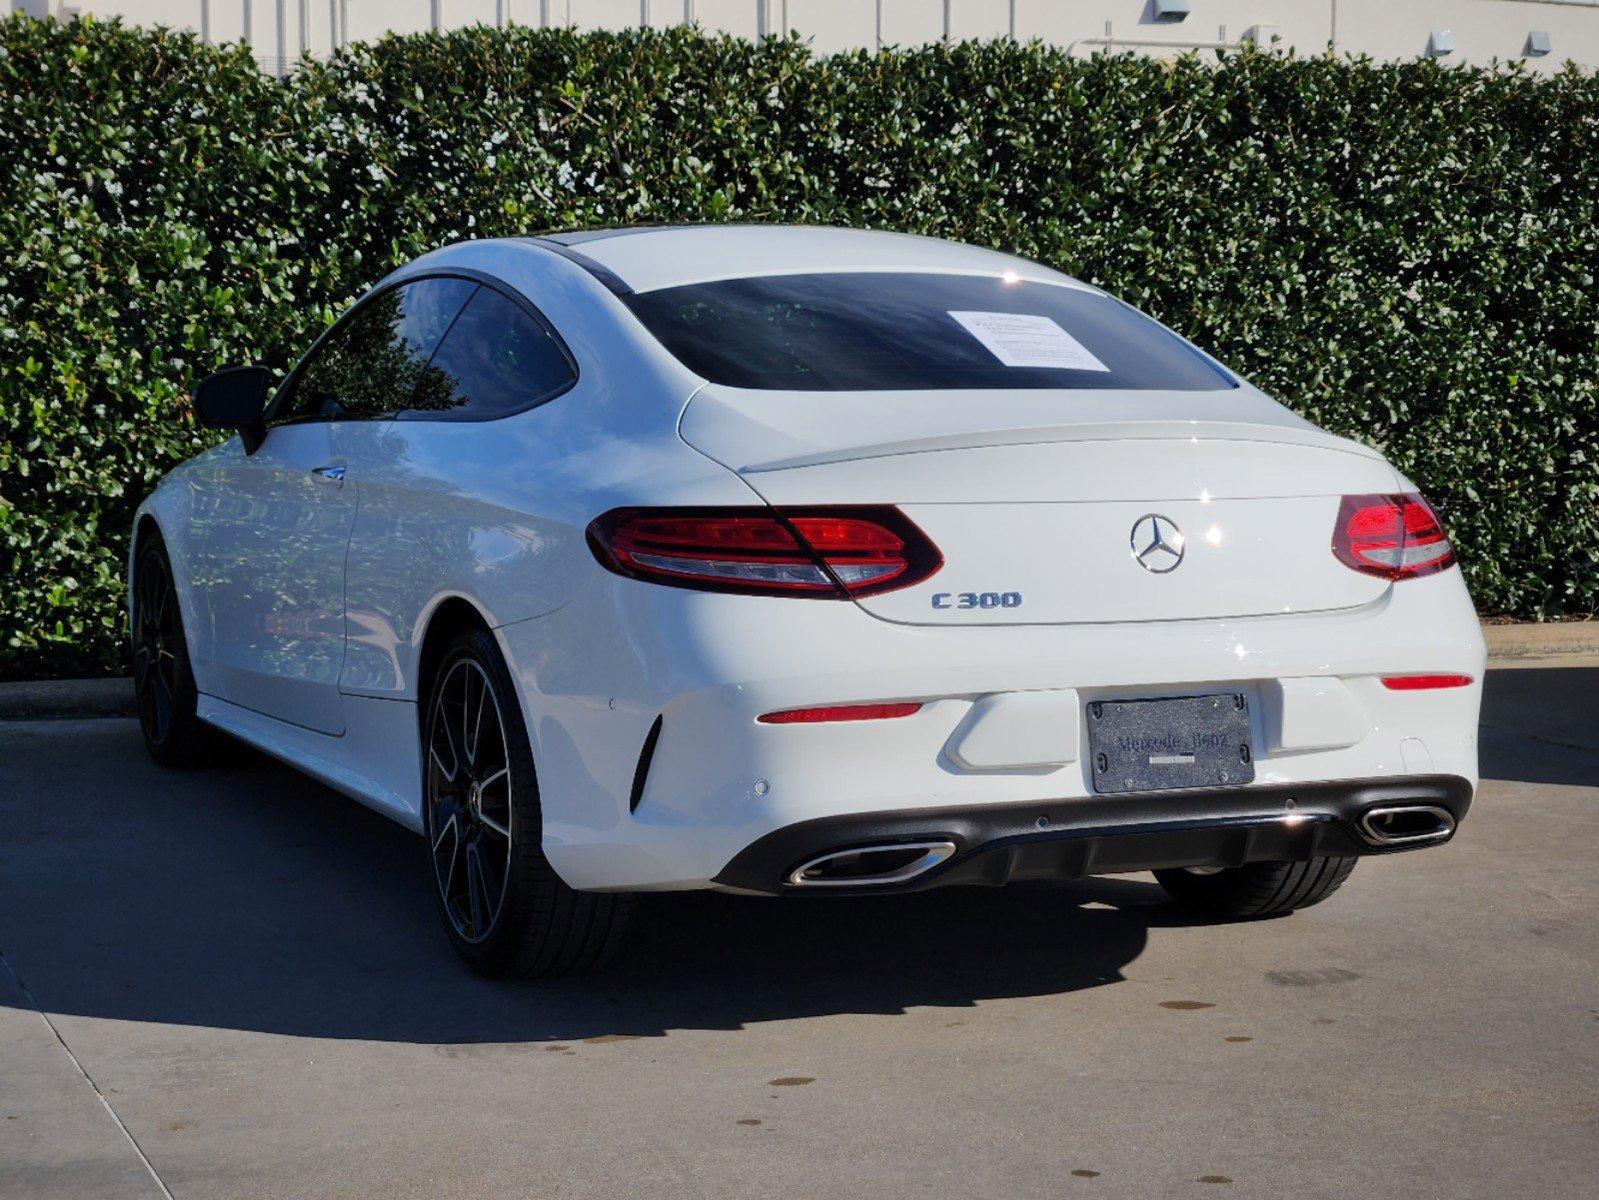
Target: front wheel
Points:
(1256, 889)
(505, 910)
(163, 680)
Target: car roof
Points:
(646, 258)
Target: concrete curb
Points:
(1526, 645)
(1508, 646)
(67, 698)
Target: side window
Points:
(495, 359)
(371, 365)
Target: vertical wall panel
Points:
(522, 12)
(606, 14)
(227, 21)
(313, 27)
(666, 13)
(256, 18)
(978, 19)
(912, 22)
(834, 25)
(459, 13)
(741, 18)
(369, 20)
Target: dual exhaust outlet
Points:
(899, 862)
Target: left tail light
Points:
(1393, 537)
(822, 553)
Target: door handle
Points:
(329, 474)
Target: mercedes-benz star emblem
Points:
(1158, 545)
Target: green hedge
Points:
(1404, 253)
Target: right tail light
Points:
(1392, 537)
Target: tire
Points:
(483, 826)
(163, 679)
(1257, 889)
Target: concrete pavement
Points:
(249, 970)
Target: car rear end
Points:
(794, 729)
(1062, 598)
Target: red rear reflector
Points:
(838, 712)
(1393, 537)
(828, 554)
(1416, 683)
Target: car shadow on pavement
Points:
(1541, 725)
(248, 897)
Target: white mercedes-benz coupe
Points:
(802, 561)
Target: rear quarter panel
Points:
(496, 511)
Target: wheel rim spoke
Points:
(469, 794)
(161, 694)
(474, 890)
(466, 713)
(442, 729)
(471, 739)
(449, 740)
(449, 830)
(488, 883)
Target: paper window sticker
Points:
(1024, 340)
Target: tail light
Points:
(1394, 537)
(828, 554)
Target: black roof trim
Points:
(609, 278)
(576, 237)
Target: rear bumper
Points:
(596, 676)
(996, 844)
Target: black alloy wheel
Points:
(163, 681)
(506, 911)
(156, 633)
(469, 799)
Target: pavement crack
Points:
(1558, 743)
(89, 1079)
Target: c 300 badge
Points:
(977, 599)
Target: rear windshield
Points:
(874, 331)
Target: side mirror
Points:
(235, 398)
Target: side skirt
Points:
(375, 761)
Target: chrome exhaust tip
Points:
(1406, 824)
(870, 866)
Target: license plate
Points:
(1186, 742)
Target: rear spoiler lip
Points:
(1208, 431)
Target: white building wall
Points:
(1482, 30)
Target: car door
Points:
(271, 529)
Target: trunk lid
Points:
(1048, 506)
